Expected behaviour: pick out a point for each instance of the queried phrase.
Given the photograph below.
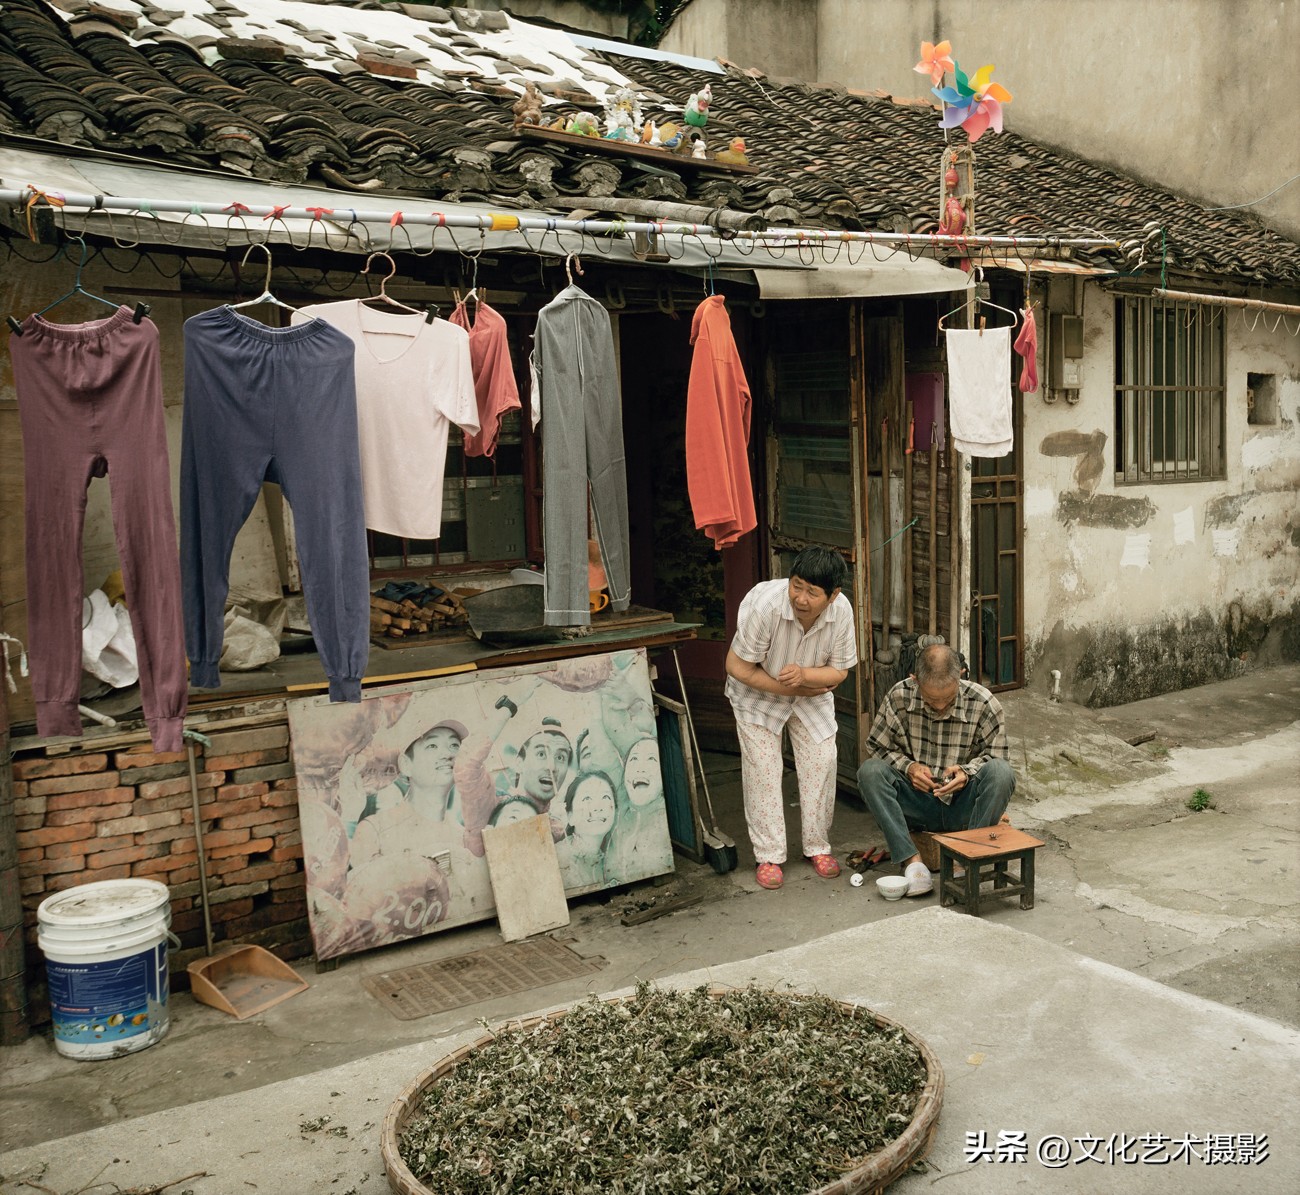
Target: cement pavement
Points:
(1132, 887)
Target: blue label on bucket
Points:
(108, 1001)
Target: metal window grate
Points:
(1169, 391)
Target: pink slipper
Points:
(825, 866)
(769, 875)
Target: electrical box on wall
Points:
(1066, 365)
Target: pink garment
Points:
(1027, 346)
(494, 375)
(90, 404)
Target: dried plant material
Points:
(668, 1092)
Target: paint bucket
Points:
(105, 947)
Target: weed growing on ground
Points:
(1159, 750)
(668, 1093)
(1200, 801)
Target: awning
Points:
(873, 273)
(336, 229)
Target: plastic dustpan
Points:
(243, 981)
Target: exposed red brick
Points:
(128, 854)
(259, 817)
(226, 810)
(256, 846)
(20, 788)
(66, 765)
(225, 838)
(88, 800)
(57, 834)
(142, 755)
(29, 821)
(283, 883)
(74, 784)
(172, 788)
(255, 738)
(247, 759)
(84, 846)
(182, 801)
(259, 871)
(237, 792)
(92, 813)
(137, 823)
(281, 797)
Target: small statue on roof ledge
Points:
(622, 114)
(697, 107)
(528, 107)
(583, 124)
(698, 148)
(734, 154)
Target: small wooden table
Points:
(985, 854)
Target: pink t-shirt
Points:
(414, 380)
(494, 376)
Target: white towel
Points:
(979, 390)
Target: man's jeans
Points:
(896, 805)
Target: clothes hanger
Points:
(385, 297)
(266, 296)
(979, 302)
(572, 262)
(141, 309)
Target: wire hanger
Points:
(141, 309)
(573, 262)
(384, 297)
(266, 296)
(980, 302)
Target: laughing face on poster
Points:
(590, 807)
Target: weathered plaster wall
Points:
(1137, 590)
(1097, 79)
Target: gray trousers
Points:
(898, 807)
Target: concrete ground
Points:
(1153, 988)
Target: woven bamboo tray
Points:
(872, 1175)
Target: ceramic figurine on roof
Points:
(622, 114)
(669, 134)
(734, 154)
(697, 107)
(583, 124)
(528, 107)
(698, 148)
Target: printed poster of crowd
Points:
(396, 791)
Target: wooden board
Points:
(633, 149)
(525, 874)
(987, 842)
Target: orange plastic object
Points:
(243, 981)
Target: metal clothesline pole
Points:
(1187, 296)
(33, 197)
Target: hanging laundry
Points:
(494, 375)
(90, 405)
(578, 396)
(413, 381)
(718, 407)
(1027, 346)
(274, 404)
(979, 390)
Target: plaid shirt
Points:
(769, 634)
(970, 734)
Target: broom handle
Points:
(190, 736)
(695, 746)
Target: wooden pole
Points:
(886, 527)
(907, 520)
(13, 976)
(934, 542)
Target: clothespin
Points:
(22, 661)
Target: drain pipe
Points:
(191, 737)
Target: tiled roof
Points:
(416, 99)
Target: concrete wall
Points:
(1116, 595)
(1187, 94)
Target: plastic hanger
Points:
(385, 297)
(266, 296)
(141, 309)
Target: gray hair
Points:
(937, 665)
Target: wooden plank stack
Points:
(401, 620)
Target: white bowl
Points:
(892, 887)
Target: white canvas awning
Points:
(875, 273)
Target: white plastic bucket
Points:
(105, 947)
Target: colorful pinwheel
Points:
(935, 60)
(975, 103)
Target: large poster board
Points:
(395, 791)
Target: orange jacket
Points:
(717, 429)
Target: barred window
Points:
(1169, 391)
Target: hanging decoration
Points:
(974, 102)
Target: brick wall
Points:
(109, 813)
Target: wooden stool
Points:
(985, 854)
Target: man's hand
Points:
(954, 780)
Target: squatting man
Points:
(938, 760)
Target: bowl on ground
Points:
(891, 887)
